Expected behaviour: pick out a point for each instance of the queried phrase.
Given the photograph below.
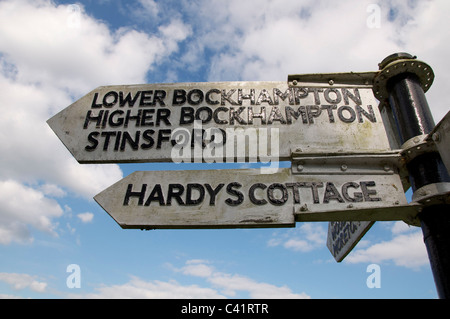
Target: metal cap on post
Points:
(401, 84)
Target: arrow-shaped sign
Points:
(224, 121)
(343, 236)
(249, 198)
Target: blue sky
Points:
(54, 52)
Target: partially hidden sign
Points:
(222, 121)
(343, 236)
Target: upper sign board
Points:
(217, 122)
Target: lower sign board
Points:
(343, 236)
(246, 198)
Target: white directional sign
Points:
(216, 122)
(247, 198)
(343, 236)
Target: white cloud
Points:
(52, 190)
(86, 217)
(51, 55)
(406, 249)
(271, 39)
(230, 284)
(137, 288)
(304, 238)
(22, 207)
(218, 285)
(22, 281)
(198, 268)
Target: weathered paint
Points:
(155, 122)
(247, 198)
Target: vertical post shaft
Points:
(413, 117)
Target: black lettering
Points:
(160, 95)
(357, 196)
(92, 138)
(295, 191)
(350, 111)
(238, 194)
(94, 104)
(155, 195)
(250, 96)
(90, 118)
(105, 119)
(300, 93)
(314, 189)
(312, 111)
(329, 109)
(134, 143)
(146, 97)
(107, 136)
(119, 121)
(251, 194)
(354, 97)
(130, 194)
(264, 96)
(187, 115)
(206, 116)
(235, 115)
(112, 102)
(217, 120)
(208, 97)
(272, 198)
(163, 115)
(290, 112)
(213, 193)
(179, 97)
(261, 115)
(227, 97)
(163, 135)
(316, 94)
(175, 191)
(195, 97)
(147, 135)
(191, 201)
(147, 117)
(118, 134)
(129, 117)
(337, 98)
(287, 94)
(128, 99)
(367, 193)
(369, 115)
(275, 115)
(331, 193)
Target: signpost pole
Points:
(402, 82)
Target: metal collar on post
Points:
(400, 63)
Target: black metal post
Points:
(406, 97)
